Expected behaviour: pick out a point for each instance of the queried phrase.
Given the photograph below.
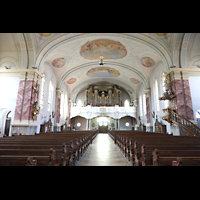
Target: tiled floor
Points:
(103, 152)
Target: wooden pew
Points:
(178, 157)
(146, 151)
(138, 147)
(15, 150)
(22, 160)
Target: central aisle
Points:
(103, 152)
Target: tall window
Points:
(166, 102)
(141, 106)
(79, 103)
(50, 99)
(126, 103)
(144, 103)
(163, 82)
(156, 95)
(65, 106)
(42, 92)
(62, 105)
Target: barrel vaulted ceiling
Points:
(129, 58)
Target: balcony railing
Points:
(172, 117)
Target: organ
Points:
(96, 96)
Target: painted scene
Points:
(103, 72)
(109, 49)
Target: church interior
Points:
(100, 83)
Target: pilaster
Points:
(27, 109)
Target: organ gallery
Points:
(103, 96)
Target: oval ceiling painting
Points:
(162, 34)
(71, 81)
(45, 34)
(147, 62)
(58, 62)
(109, 49)
(134, 80)
(103, 72)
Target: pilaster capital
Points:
(147, 92)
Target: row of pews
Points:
(155, 149)
(45, 149)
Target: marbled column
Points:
(177, 89)
(29, 99)
(19, 101)
(148, 109)
(58, 111)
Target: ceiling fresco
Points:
(129, 58)
(71, 81)
(58, 62)
(134, 80)
(103, 72)
(147, 62)
(45, 34)
(109, 49)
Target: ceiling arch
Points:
(108, 63)
(139, 37)
(142, 54)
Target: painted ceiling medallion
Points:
(103, 72)
(109, 49)
(71, 81)
(134, 80)
(45, 34)
(58, 62)
(162, 34)
(147, 62)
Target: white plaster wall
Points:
(194, 82)
(157, 74)
(8, 92)
(44, 113)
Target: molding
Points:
(21, 71)
(186, 72)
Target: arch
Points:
(127, 119)
(139, 37)
(181, 49)
(85, 65)
(4, 124)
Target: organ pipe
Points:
(109, 97)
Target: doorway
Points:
(103, 129)
(7, 125)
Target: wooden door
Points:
(103, 129)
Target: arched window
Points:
(50, 99)
(156, 95)
(42, 92)
(79, 103)
(126, 103)
(62, 105)
(65, 106)
(165, 102)
(141, 106)
(144, 103)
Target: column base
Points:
(23, 130)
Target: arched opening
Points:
(198, 117)
(103, 124)
(5, 122)
(78, 123)
(127, 123)
(8, 123)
